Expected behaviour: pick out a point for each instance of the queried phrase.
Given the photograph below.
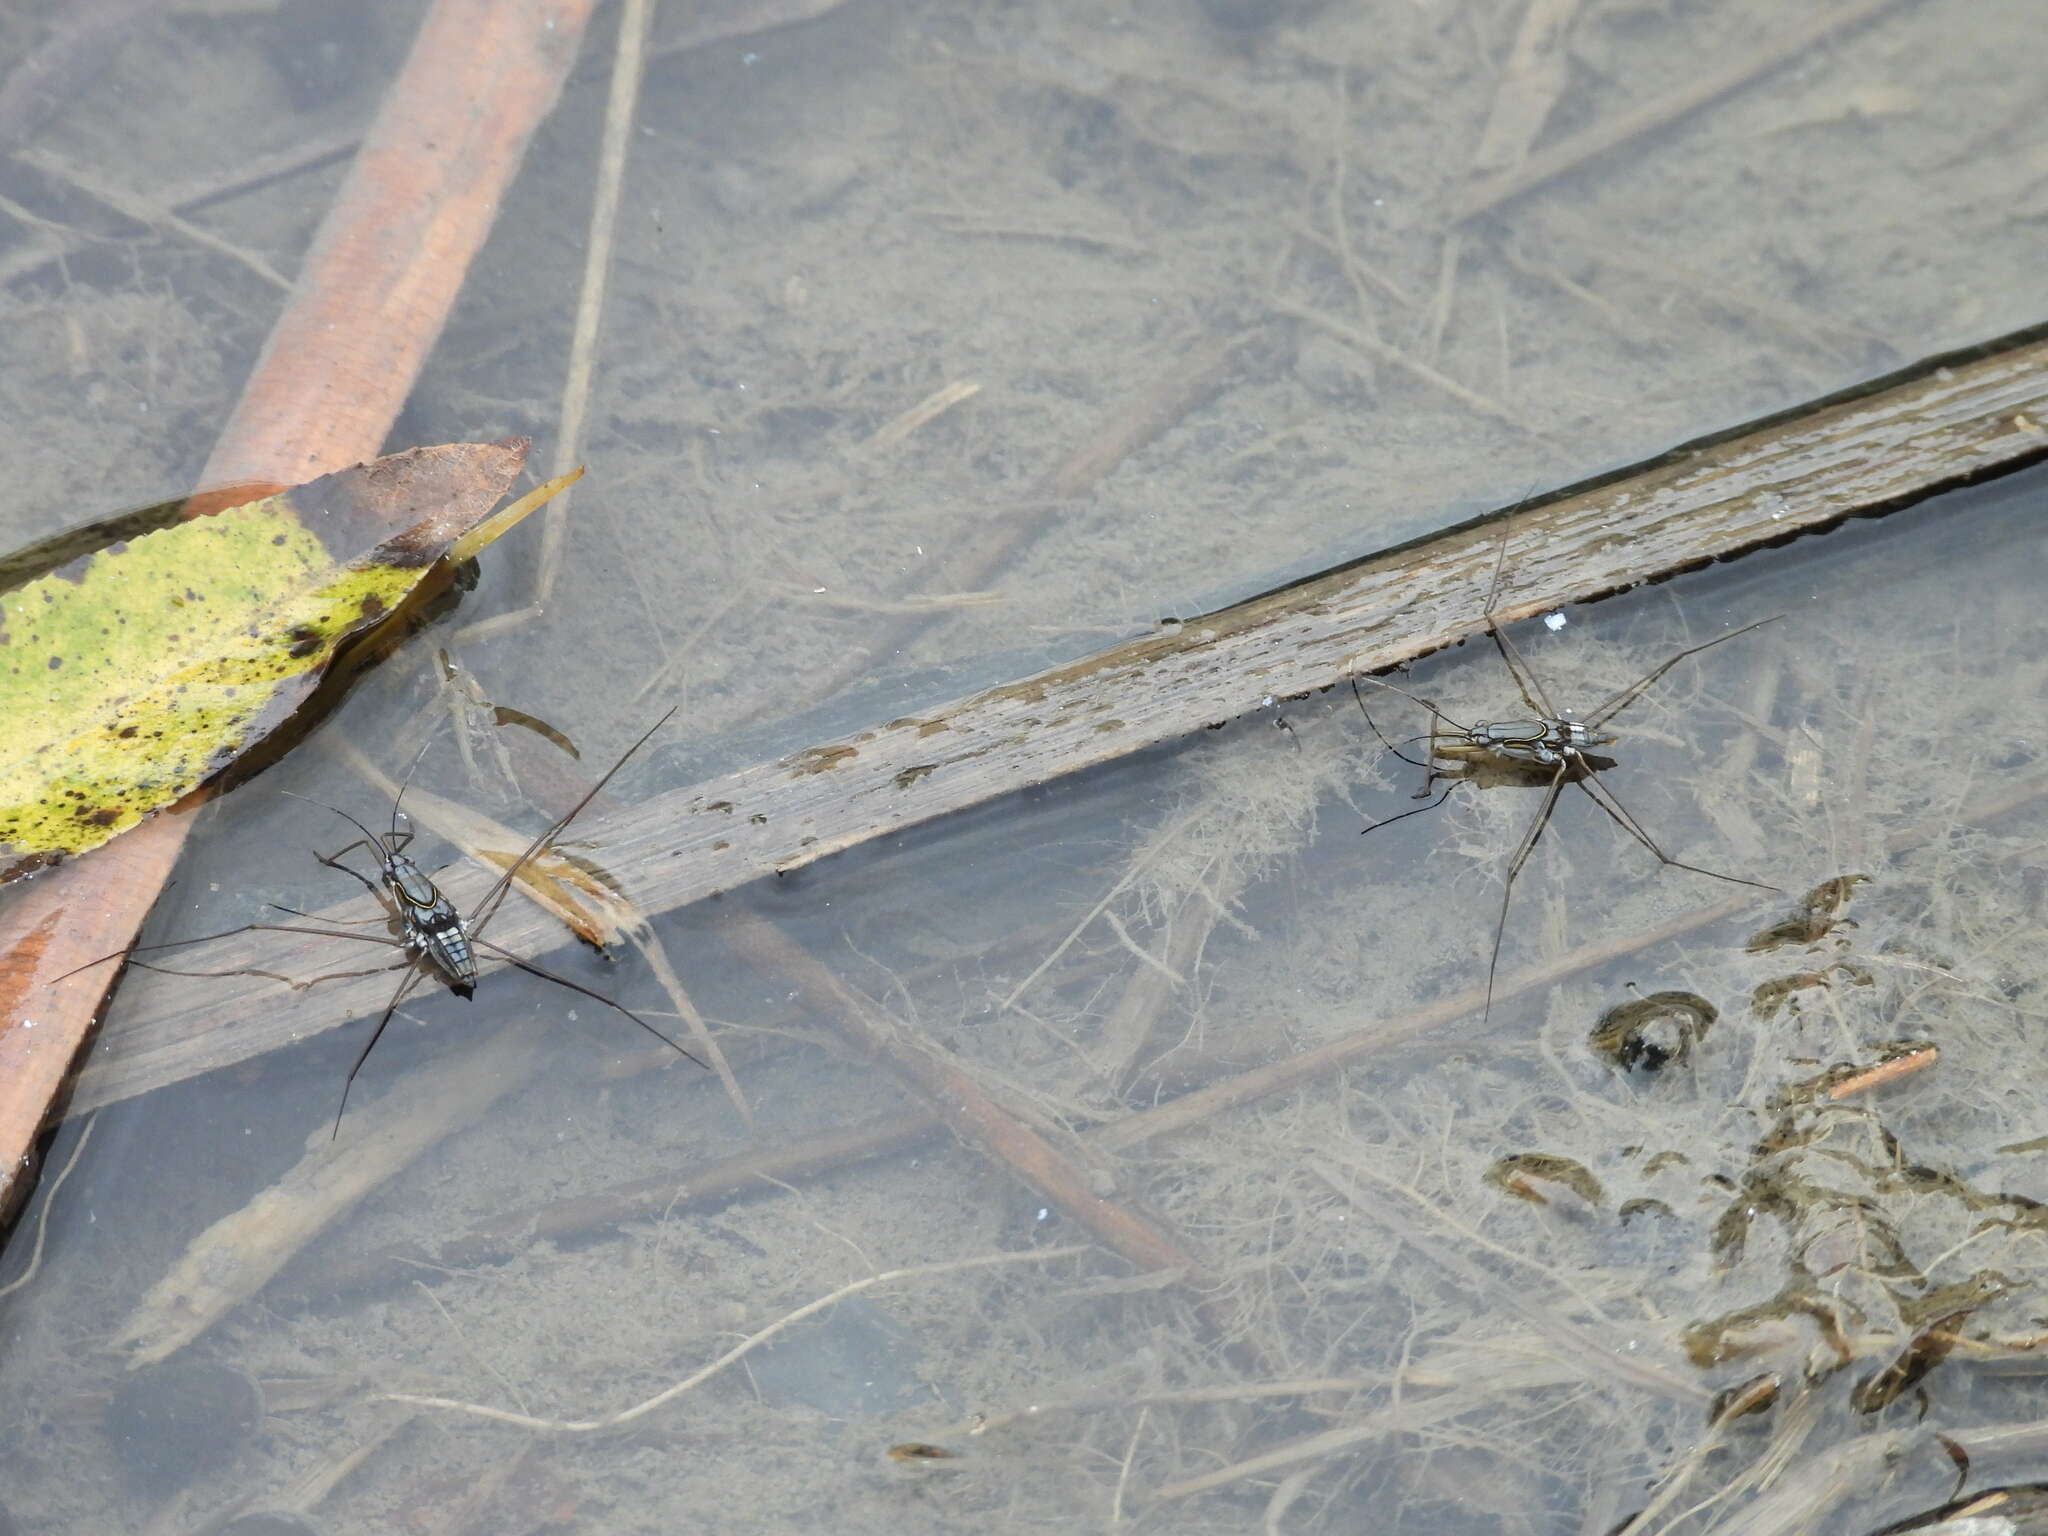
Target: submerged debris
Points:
(1755, 1395)
(1923, 1353)
(1520, 1173)
(1820, 914)
(1649, 1033)
(2019, 1510)
(1770, 996)
(1889, 1061)
(919, 1450)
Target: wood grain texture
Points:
(1945, 423)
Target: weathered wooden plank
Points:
(1947, 422)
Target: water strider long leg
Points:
(1382, 735)
(1412, 698)
(406, 984)
(256, 970)
(1526, 682)
(1454, 782)
(420, 968)
(1625, 819)
(487, 908)
(1430, 773)
(534, 969)
(333, 861)
(226, 933)
(1528, 846)
(1627, 696)
(387, 848)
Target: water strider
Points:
(433, 934)
(1548, 749)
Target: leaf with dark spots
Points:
(139, 665)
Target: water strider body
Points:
(1544, 743)
(1547, 750)
(431, 930)
(431, 922)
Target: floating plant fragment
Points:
(137, 667)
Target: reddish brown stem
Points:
(374, 292)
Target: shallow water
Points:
(1065, 205)
(1366, 1253)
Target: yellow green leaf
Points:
(139, 672)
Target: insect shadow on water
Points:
(433, 934)
(1548, 751)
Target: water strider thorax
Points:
(432, 925)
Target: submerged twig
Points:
(1681, 101)
(1536, 74)
(235, 1257)
(35, 1253)
(1586, 1350)
(1161, 844)
(1819, 1485)
(1404, 1417)
(648, 942)
(753, 1341)
(965, 1105)
(898, 430)
(1225, 1392)
(629, 67)
(1363, 341)
(1185, 384)
(146, 210)
(1181, 1113)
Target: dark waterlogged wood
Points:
(1945, 423)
